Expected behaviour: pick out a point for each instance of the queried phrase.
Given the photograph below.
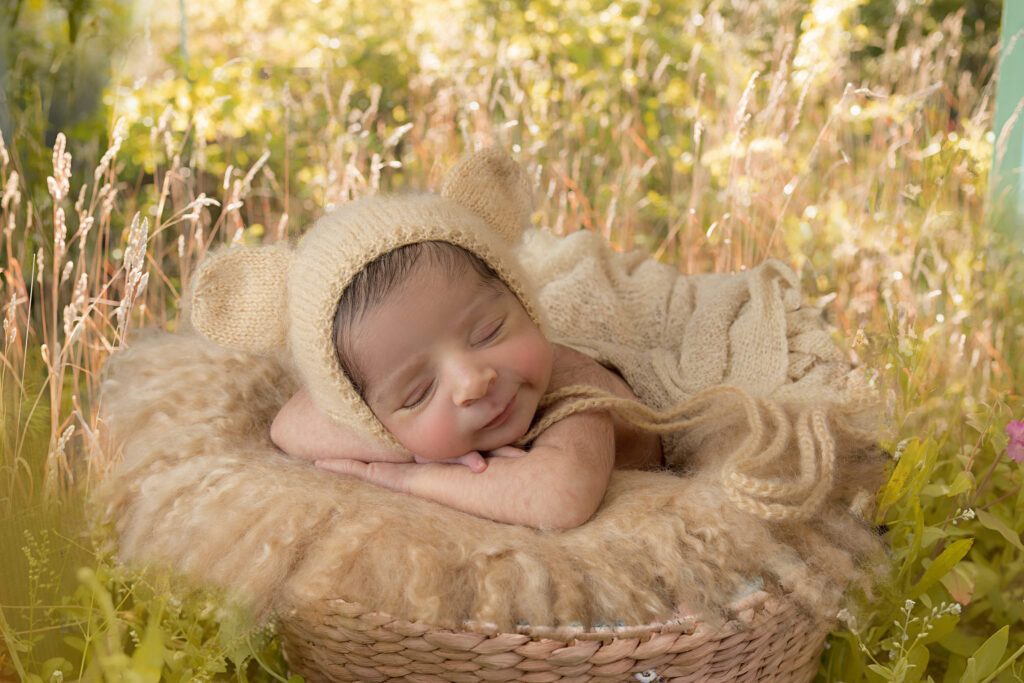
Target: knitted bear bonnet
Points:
(262, 298)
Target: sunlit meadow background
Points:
(851, 139)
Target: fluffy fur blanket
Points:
(203, 491)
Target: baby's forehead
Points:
(434, 279)
(456, 271)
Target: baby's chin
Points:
(511, 432)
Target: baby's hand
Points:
(398, 476)
(392, 475)
(474, 460)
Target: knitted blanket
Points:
(796, 412)
(774, 452)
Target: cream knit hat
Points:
(259, 298)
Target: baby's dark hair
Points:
(378, 279)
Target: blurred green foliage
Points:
(712, 133)
(115, 624)
(58, 56)
(980, 28)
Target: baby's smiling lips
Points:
(500, 418)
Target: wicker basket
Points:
(342, 641)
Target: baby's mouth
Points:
(501, 417)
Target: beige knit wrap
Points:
(732, 370)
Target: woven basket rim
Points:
(767, 636)
(750, 611)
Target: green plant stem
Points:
(1000, 499)
(15, 13)
(988, 475)
(977, 444)
(1002, 667)
(256, 656)
(5, 631)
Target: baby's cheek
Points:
(533, 357)
(436, 438)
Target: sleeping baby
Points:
(453, 363)
(430, 364)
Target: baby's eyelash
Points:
(491, 333)
(418, 397)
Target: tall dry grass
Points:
(768, 137)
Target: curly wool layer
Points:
(203, 491)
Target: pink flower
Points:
(1015, 449)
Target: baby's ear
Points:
(493, 186)
(239, 297)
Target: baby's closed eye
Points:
(419, 395)
(488, 332)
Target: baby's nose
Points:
(473, 384)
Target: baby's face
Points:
(451, 364)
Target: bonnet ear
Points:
(238, 297)
(492, 185)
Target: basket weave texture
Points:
(336, 640)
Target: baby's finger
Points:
(387, 474)
(355, 468)
(507, 452)
(474, 461)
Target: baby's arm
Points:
(303, 432)
(558, 484)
